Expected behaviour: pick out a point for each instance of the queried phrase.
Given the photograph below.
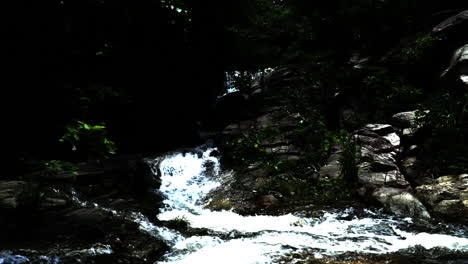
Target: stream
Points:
(352, 234)
(338, 234)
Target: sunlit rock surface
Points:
(401, 202)
(376, 158)
(447, 197)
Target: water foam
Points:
(185, 182)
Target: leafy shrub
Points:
(89, 140)
(446, 117)
(392, 94)
(420, 48)
(246, 148)
(51, 167)
(348, 156)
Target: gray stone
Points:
(374, 144)
(349, 117)
(394, 139)
(10, 193)
(450, 23)
(404, 119)
(376, 158)
(275, 119)
(374, 179)
(88, 216)
(267, 201)
(458, 64)
(401, 202)
(238, 127)
(447, 197)
(282, 149)
(380, 129)
(332, 170)
(412, 168)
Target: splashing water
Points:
(266, 239)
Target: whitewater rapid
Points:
(188, 177)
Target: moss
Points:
(179, 223)
(220, 205)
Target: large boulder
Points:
(332, 169)
(447, 197)
(377, 158)
(452, 23)
(236, 192)
(14, 194)
(401, 202)
(458, 67)
(404, 119)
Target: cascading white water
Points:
(266, 239)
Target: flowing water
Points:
(290, 238)
(350, 233)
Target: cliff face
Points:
(285, 145)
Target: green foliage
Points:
(316, 140)
(420, 48)
(272, 31)
(89, 140)
(333, 190)
(348, 156)
(246, 148)
(287, 183)
(52, 167)
(392, 94)
(446, 116)
(460, 167)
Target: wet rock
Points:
(237, 191)
(276, 119)
(267, 201)
(88, 216)
(373, 145)
(220, 205)
(10, 193)
(377, 158)
(380, 129)
(458, 67)
(238, 127)
(332, 169)
(394, 139)
(457, 21)
(9, 257)
(401, 202)
(349, 118)
(370, 178)
(412, 168)
(447, 197)
(53, 198)
(86, 254)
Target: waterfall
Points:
(232, 238)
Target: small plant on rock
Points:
(89, 140)
(420, 48)
(52, 167)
